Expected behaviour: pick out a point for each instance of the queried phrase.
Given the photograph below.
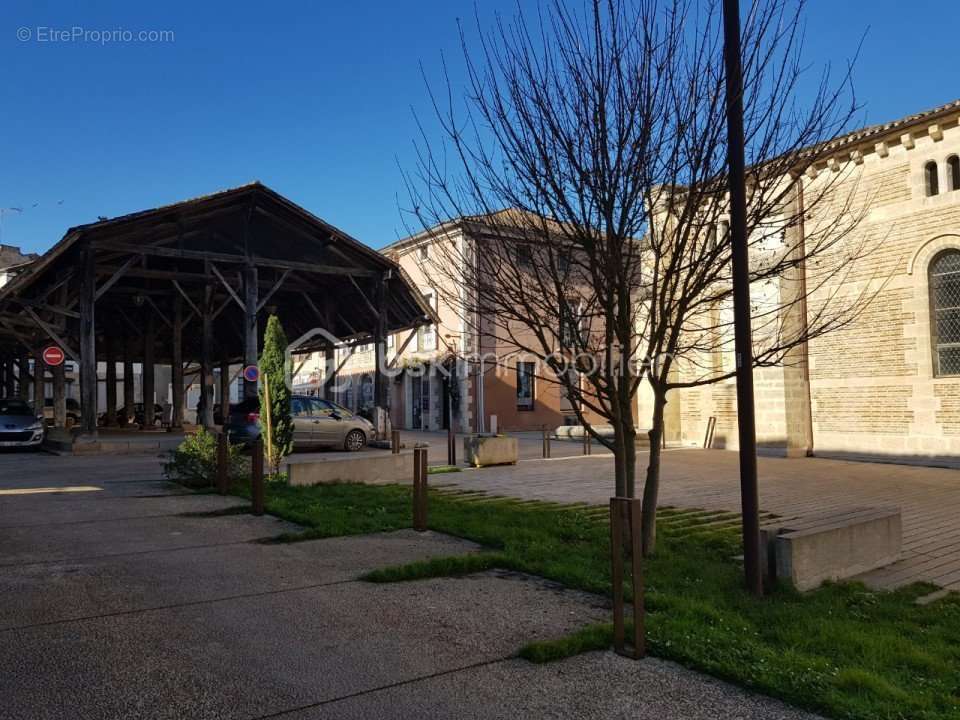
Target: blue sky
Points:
(314, 99)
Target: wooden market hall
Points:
(193, 283)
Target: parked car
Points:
(316, 423)
(73, 410)
(137, 414)
(20, 426)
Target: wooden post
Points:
(176, 365)
(39, 387)
(420, 489)
(88, 343)
(223, 460)
(250, 330)
(267, 413)
(256, 477)
(110, 419)
(625, 521)
(149, 373)
(381, 411)
(23, 375)
(224, 390)
(395, 442)
(329, 372)
(546, 443)
(206, 359)
(451, 431)
(59, 396)
(129, 387)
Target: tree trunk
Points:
(651, 489)
(619, 459)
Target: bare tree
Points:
(587, 167)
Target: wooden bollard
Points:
(395, 442)
(256, 477)
(420, 489)
(223, 462)
(625, 518)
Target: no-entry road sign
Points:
(53, 356)
(251, 373)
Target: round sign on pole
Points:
(251, 373)
(53, 356)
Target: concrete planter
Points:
(483, 450)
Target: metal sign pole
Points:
(743, 344)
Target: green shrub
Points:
(194, 462)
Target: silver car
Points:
(322, 423)
(19, 424)
(316, 423)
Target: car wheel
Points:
(355, 440)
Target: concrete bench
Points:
(372, 467)
(832, 546)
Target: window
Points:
(427, 334)
(299, 407)
(348, 394)
(931, 178)
(571, 324)
(525, 385)
(424, 251)
(944, 279)
(524, 255)
(366, 391)
(953, 172)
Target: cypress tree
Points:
(272, 371)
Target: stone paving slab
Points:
(59, 543)
(17, 468)
(594, 686)
(54, 509)
(61, 591)
(250, 657)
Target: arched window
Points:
(931, 178)
(944, 279)
(953, 172)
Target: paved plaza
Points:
(928, 498)
(122, 595)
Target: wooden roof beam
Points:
(234, 258)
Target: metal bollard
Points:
(256, 477)
(587, 442)
(420, 489)
(546, 443)
(451, 446)
(625, 518)
(395, 442)
(223, 460)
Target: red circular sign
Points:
(53, 356)
(251, 373)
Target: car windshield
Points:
(14, 407)
(341, 410)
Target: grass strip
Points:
(843, 651)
